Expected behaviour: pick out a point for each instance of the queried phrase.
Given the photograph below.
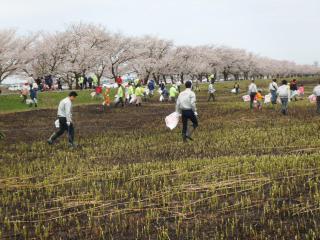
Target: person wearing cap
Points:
(65, 119)
(186, 105)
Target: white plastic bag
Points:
(93, 94)
(234, 91)
(133, 99)
(57, 123)
(267, 99)
(312, 98)
(246, 98)
(172, 120)
(161, 98)
(116, 100)
(294, 94)
(29, 101)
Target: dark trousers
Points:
(24, 98)
(252, 97)
(186, 115)
(273, 96)
(211, 96)
(284, 106)
(64, 127)
(318, 104)
(120, 101)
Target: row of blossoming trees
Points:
(85, 48)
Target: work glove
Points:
(196, 114)
(68, 123)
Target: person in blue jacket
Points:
(151, 87)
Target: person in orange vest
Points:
(106, 95)
(259, 99)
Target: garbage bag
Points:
(294, 94)
(267, 99)
(312, 98)
(93, 94)
(246, 98)
(234, 91)
(117, 99)
(29, 101)
(161, 98)
(172, 120)
(133, 99)
(57, 123)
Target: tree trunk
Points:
(77, 75)
(113, 72)
(182, 77)
(225, 75)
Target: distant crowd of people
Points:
(135, 92)
(283, 93)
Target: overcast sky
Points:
(281, 29)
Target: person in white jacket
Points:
(316, 92)
(65, 119)
(273, 88)
(284, 95)
(186, 105)
(252, 91)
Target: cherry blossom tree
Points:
(13, 52)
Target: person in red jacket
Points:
(119, 80)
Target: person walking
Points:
(211, 92)
(25, 92)
(173, 93)
(90, 81)
(151, 87)
(81, 81)
(316, 92)
(237, 87)
(294, 90)
(273, 88)
(284, 94)
(95, 80)
(121, 95)
(33, 94)
(252, 92)
(119, 80)
(139, 92)
(65, 120)
(186, 105)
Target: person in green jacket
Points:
(139, 94)
(121, 96)
(95, 80)
(173, 92)
(80, 81)
(136, 82)
(130, 91)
